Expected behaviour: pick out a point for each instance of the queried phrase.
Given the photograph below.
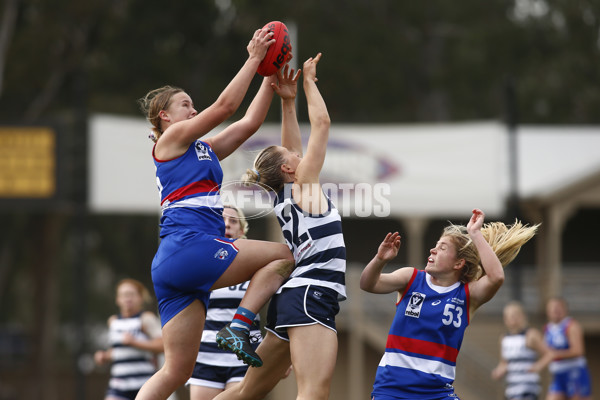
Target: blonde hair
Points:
(241, 217)
(139, 287)
(267, 170)
(153, 103)
(514, 308)
(505, 241)
(517, 305)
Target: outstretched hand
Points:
(310, 68)
(286, 87)
(476, 221)
(260, 42)
(388, 249)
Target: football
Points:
(278, 52)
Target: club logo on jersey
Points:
(222, 254)
(413, 309)
(201, 151)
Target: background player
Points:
(567, 362)
(135, 339)
(520, 350)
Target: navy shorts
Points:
(122, 394)
(216, 377)
(302, 306)
(186, 267)
(525, 396)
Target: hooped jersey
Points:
(317, 243)
(189, 187)
(131, 367)
(519, 358)
(222, 307)
(424, 340)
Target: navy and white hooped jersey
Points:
(424, 341)
(317, 243)
(556, 338)
(189, 187)
(221, 308)
(520, 358)
(131, 367)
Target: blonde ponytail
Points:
(506, 241)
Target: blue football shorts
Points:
(186, 267)
(574, 381)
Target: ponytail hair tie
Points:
(257, 174)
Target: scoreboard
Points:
(28, 162)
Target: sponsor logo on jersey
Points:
(413, 309)
(457, 301)
(435, 303)
(302, 250)
(201, 151)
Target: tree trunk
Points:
(46, 283)
(7, 28)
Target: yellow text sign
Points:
(27, 162)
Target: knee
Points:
(178, 376)
(313, 393)
(253, 392)
(286, 263)
(286, 267)
(286, 254)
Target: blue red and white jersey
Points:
(189, 187)
(557, 338)
(424, 341)
(317, 243)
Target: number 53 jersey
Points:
(424, 341)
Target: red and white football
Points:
(278, 52)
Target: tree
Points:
(7, 28)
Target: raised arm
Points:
(310, 167)
(482, 290)
(178, 136)
(373, 281)
(232, 137)
(287, 89)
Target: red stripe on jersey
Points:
(422, 347)
(468, 297)
(229, 243)
(410, 282)
(205, 186)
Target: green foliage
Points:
(384, 61)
